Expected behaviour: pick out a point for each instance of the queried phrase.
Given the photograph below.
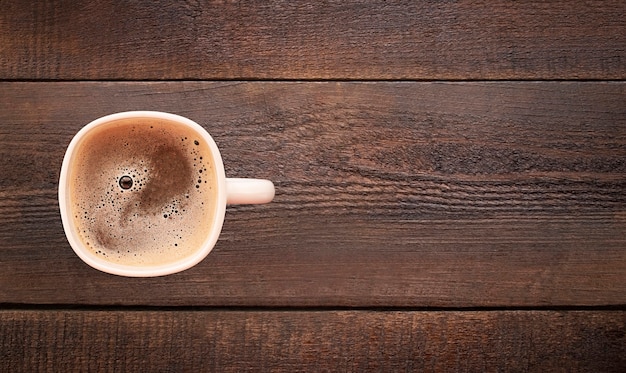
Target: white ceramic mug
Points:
(226, 191)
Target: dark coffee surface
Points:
(164, 214)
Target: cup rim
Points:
(101, 264)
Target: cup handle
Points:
(248, 191)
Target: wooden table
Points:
(450, 176)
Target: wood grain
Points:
(469, 39)
(292, 341)
(388, 194)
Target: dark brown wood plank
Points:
(388, 194)
(469, 39)
(138, 341)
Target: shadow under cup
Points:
(142, 193)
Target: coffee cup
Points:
(144, 193)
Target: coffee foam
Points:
(168, 211)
